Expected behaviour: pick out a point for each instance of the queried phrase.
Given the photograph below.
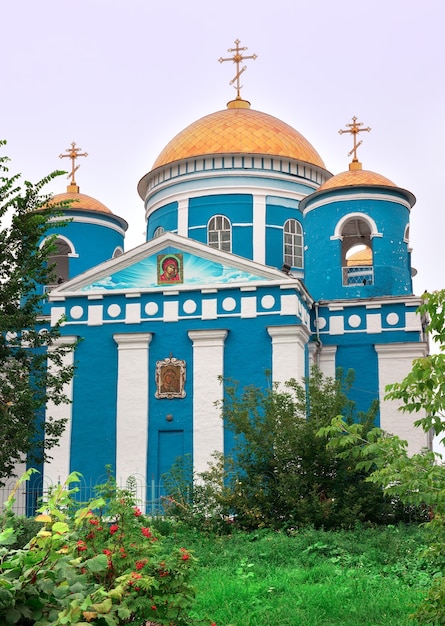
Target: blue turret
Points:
(92, 234)
(356, 237)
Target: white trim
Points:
(211, 190)
(346, 218)
(132, 406)
(72, 254)
(326, 360)
(81, 219)
(58, 467)
(208, 367)
(330, 199)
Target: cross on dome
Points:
(354, 129)
(73, 154)
(237, 58)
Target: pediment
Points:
(171, 262)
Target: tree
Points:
(282, 474)
(418, 479)
(32, 370)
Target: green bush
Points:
(99, 564)
(281, 473)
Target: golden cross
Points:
(237, 58)
(354, 129)
(73, 154)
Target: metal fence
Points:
(31, 494)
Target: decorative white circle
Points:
(189, 306)
(354, 321)
(229, 304)
(392, 319)
(151, 308)
(76, 312)
(10, 336)
(114, 310)
(321, 323)
(268, 302)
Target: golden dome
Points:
(80, 201)
(356, 178)
(239, 129)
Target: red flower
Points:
(94, 521)
(91, 535)
(146, 531)
(153, 606)
(140, 564)
(136, 575)
(81, 546)
(107, 552)
(114, 528)
(137, 512)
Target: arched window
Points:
(59, 259)
(357, 256)
(117, 252)
(293, 243)
(219, 233)
(158, 232)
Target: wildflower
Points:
(154, 607)
(140, 564)
(106, 551)
(114, 528)
(81, 546)
(146, 531)
(137, 512)
(94, 521)
(185, 554)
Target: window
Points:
(357, 257)
(158, 232)
(219, 233)
(293, 243)
(60, 260)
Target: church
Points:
(257, 259)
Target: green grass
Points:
(365, 577)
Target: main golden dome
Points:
(239, 129)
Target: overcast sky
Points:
(122, 77)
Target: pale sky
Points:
(122, 77)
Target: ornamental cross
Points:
(354, 129)
(73, 154)
(237, 58)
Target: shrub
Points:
(98, 564)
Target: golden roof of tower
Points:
(356, 177)
(80, 201)
(239, 129)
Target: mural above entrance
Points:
(171, 268)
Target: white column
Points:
(58, 467)
(323, 357)
(395, 362)
(259, 228)
(183, 217)
(326, 360)
(288, 352)
(208, 367)
(132, 407)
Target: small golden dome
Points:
(356, 178)
(80, 201)
(239, 129)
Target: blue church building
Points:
(256, 259)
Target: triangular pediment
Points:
(171, 262)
